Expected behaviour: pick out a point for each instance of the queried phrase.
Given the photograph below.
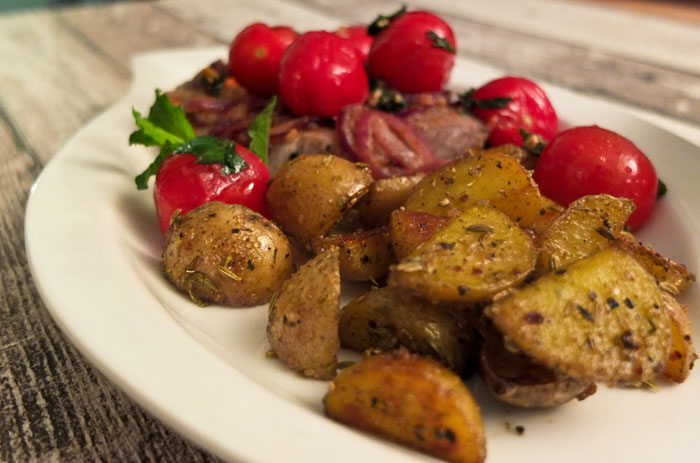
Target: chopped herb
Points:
(251, 266)
(462, 290)
(211, 81)
(627, 340)
(382, 21)
(480, 228)
(607, 224)
(446, 246)
(532, 142)
(533, 318)
(585, 314)
(259, 131)
(592, 295)
(612, 303)
(560, 271)
(605, 233)
(652, 324)
(520, 429)
(440, 42)
(212, 150)
(629, 303)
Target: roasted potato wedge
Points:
(683, 355)
(513, 378)
(524, 157)
(302, 326)
(490, 178)
(310, 194)
(600, 318)
(412, 400)
(390, 317)
(384, 196)
(674, 278)
(473, 257)
(364, 255)
(408, 229)
(226, 253)
(589, 224)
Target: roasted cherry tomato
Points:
(255, 56)
(183, 184)
(358, 36)
(592, 160)
(321, 73)
(415, 53)
(529, 109)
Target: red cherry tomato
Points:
(592, 160)
(321, 73)
(406, 57)
(255, 56)
(358, 36)
(529, 110)
(183, 184)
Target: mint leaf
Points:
(661, 190)
(440, 42)
(152, 169)
(212, 150)
(259, 131)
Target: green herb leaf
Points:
(212, 150)
(469, 102)
(259, 131)
(152, 169)
(165, 124)
(440, 42)
(382, 21)
(661, 190)
(385, 99)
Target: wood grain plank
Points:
(53, 405)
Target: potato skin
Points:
(389, 317)
(473, 257)
(408, 229)
(302, 326)
(364, 255)
(384, 196)
(682, 356)
(227, 254)
(412, 400)
(514, 378)
(310, 194)
(601, 318)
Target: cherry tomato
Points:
(321, 73)
(529, 109)
(358, 36)
(592, 160)
(255, 56)
(414, 54)
(183, 184)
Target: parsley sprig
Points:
(168, 128)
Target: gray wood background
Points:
(60, 67)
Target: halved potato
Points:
(310, 194)
(601, 318)
(408, 229)
(384, 196)
(473, 257)
(683, 355)
(412, 400)
(589, 224)
(490, 178)
(364, 255)
(673, 277)
(513, 378)
(302, 326)
(390, 317)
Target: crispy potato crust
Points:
(473, 257)
(302, 326)
(384, 196)
(390, 317)
(674, 278)
(683, 355)
(226, 253)
(601, 318)
(364, 255)
(310, 194)
(589, 224)
(489, 177)
(412, 400)
(408, 229)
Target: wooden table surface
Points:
(60, 67)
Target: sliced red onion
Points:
(390, 146)
(345, 126)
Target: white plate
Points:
(94, 246)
